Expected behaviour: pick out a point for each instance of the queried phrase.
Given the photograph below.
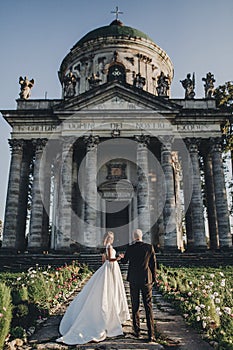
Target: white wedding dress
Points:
(99, 310)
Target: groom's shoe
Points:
(151, 340)
(137, 335)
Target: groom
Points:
(141, 276)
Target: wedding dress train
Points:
(99, 310)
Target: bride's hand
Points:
(121, 256)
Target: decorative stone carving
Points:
(209, 85)
(139, 81)
(70, 81)
(116, 171)
(94, 80)
(91, 142)
(162, 85)
(189, 86)
(26, 86)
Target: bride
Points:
(100, 309)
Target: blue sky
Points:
(35, 36)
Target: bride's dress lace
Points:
(99, 310)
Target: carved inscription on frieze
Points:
(35, 128)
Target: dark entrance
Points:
(117, 220)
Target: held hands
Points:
(120, 256)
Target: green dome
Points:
(116, 28)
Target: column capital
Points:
(193, 144)
(68, 142)
(142, 139)
(39, 144)
(216, 144)
(16, 145)
(91, 141)
(166, 142)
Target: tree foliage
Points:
(224, 99)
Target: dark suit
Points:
(141, 275)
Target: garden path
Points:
(173, 332)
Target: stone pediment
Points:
(115, 96)
(117, 103)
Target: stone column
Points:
(177, 171)
(90, 215)
(37, 241)
(210, 199)
(143, 187)
(225, 240)
(13, 196)
(197, 210)
(63, 238)
(169, 211)
(187, 190)
(24, 192)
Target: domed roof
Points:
(116, 28)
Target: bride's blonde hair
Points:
(108, 238)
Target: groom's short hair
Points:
(137, 234)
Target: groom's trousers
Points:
(146, 290)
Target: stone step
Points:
(18, 262)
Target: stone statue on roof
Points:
(26, 86)
(209, 85)
(162, 85)
(70, 82)
(189, 85)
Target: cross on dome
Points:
(117, 12)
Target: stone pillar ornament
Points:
(169, 211)
(63, 238)
(143, 187)
(225, 240)
(13, 196)
(37, 239)
(197, 210)
(91, 235)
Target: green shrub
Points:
(19, 294)
(5, 312)
(17, 332)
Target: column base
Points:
(196, 249)
(9, 251)
(171, 249)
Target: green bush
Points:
(5, 312)
(204, 297)
(19, 294)
(36, 292)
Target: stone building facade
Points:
(116, 152)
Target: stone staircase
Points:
(21, 262)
